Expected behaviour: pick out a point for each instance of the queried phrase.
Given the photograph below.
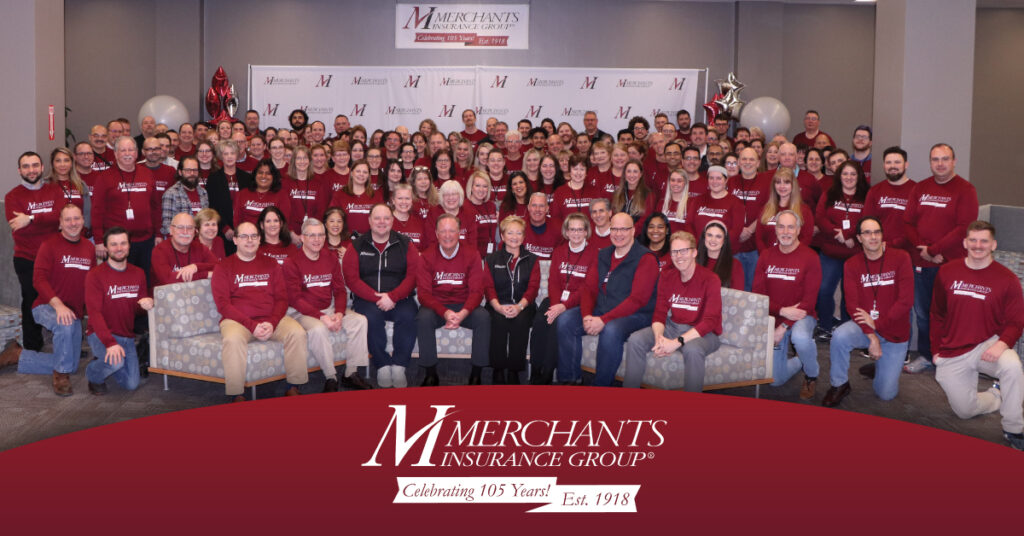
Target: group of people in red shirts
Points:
(642, 231)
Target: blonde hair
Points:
(432, 198)
(681, 207)
(511, 220)
(481, 176)
(575, 216)
(772, 207)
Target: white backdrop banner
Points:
(385, 97)
(462, 26)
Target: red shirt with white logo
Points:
(696, 303)
(456, 281)
(127, 199)
(568, 273)
(885, 285)
(44, 206)
(728, 210)
(888, 203)
(969, 306)
(250, 292)
(753, 193)
(112, 301)
(313, 284)
(937, 217)
(167, 261)
(357, 208)
(788, 279)
(60, 271)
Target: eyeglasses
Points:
(678, 252)
(621, 229)
(691, 158)
(244, 237)
(183, 227)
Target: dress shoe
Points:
(808, 388)
(355, 381)
(512, 378)
(62, 384)
(98, 389)
(293, 391)
(431, 379)
(498, 377)
(835, 395)
(10, 354)
(474, 376)
(331, 385)
(868, 371)
(238, 398)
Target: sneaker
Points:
(1016, 440)
(822, 335)
(808, 388)
(10, 354)
(996, 392)
(918, 366)
(398, 378)
(384, 377)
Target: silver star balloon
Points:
(730, 85)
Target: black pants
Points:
(31, 333)
(543, 346)
(509, 338)
(141, 255)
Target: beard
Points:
(893, 177)
(31, 181)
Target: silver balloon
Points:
(165, 109)
(730, 85)
(730, 104)
(232, 101)
(766, 113)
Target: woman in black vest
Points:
(511, 282)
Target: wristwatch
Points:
(681, 341)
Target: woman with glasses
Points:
(600, 175)
(511, 284)
(207, 165)
(441, 167)
(407, 157)
(278, 155)
(452, 201)
(570, 263)
(337, 176)
(375, 162)
(207, 223)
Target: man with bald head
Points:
(617, 300)
(103, 156)
(148, 128)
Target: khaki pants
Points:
(236, 338)
(354, 325)
(958, 377)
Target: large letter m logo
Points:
(403, 445)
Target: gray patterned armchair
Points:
(184, 339)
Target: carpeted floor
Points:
(29, 411)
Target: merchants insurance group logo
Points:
(449, 441)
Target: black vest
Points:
(383, 272)
(619, 282)
(510, 285)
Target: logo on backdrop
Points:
(446, 111)
(545, 82)
(324, 81)
(534, 111)
(623, 112)
(677, 84)
(317, 109)
(588, 83)
(367, 81)
(573, 112)
(625, 82)
(271, 109)
(280, 81)
(449, 81)
(484, 110)
(398, 110)
(413, 81)
(452, 442)
(358, 109)
(499, 81)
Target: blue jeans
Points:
(887, 371)
(404, 334)
(126, 372)
(831, 277)
(609, 344)
(802, 335)
(67, 345)
(924, 280)
(749, 262)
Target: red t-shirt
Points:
(696, 302)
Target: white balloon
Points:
(766, 113)
(165, 109)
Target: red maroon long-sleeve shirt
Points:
(44, 205)
(696, 302)
(458, 280)
(60, 271)
(788, 279)
(112, 300)
(167, 261)
(885, 285)
(250, 292)
(116, 193)
(313, 284)
(568, 274)
(969, 306)
(937, 217)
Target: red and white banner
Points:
(462, 26)
(385, 97)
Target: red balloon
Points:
(713, 109)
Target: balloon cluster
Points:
(727, 100)
(221, 99)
